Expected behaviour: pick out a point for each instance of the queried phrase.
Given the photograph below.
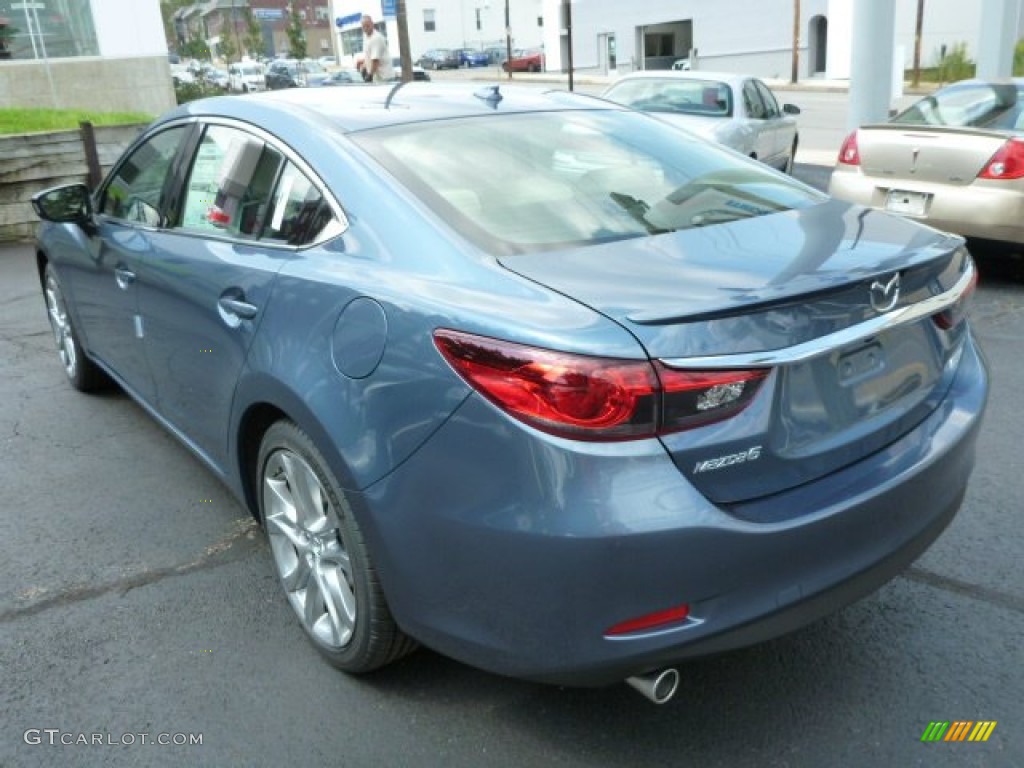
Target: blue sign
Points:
(344, 21)
(389, 8)
(268, 13)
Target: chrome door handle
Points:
(238, 308)
(124, 277)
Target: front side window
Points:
(230, 183)
(771, 106)
(429, 24)
(752, 101)
(539, 181)
(135, 192)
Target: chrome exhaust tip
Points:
(658, 686)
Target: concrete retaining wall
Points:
(32, 162)
(137, 84)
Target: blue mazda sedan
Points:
(532, 379)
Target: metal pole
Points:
(508, 42)
(46, 59)
(403, 42)
(918, 26)
(568, 28)
(795, 74)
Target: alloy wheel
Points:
(309, 553)
(60, 324)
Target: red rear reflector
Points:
(849, 153)
(650, 621)
(594, 398)
(1006, 163)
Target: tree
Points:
(228, 50)
(296, 33)
(253, 39)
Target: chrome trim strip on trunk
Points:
(825, 344)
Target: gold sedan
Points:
(953, 160)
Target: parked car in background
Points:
(246, 76)
(525, 61)
(181, 74)
(471, 58)
(738, 111)
(215, 76)
(954, 160)
(681, 65)
(418, 73)
(342, 77)
(291, 73)
(546, 383)
(328, 62)
(439, 58)
(496, 55)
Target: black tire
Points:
(83, 374)
(535, 67)
(317, 547)
(791, 160)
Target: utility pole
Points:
(795, 74)
(568, 28)
(508, 42)
(403, 42)
(917, 43)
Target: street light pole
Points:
(795, 74)
(508, 42)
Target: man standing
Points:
(376, 59)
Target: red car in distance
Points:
(525, 61)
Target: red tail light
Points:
(594, 398)
(1006, 163)
(849, 153)
(650, 621)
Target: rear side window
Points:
(230, 183)
(135, 192)
(298, 213)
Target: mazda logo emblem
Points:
(885, 295)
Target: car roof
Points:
(731, 78)
(368, 107)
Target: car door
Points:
(204, 296)
(762, 139)
(131, 209)
(779, 126)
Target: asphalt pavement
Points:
(138, 604)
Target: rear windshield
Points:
(711, 98)
(512, 183)
(998, 106)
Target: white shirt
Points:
(376, 47)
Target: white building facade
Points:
(476, 24)
(85, 54)
(754, 36)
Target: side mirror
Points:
(68, 203)
(791, 109)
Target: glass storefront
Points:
(32, 29)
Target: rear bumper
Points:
(990, 210)
(516, 557)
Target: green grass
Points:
(36, 120)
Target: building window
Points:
(63, 29)
(428, 20)
(540, 21)
(479, 25)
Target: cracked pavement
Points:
(137, 596)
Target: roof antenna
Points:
(394, 90)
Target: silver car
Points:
(735, 110)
